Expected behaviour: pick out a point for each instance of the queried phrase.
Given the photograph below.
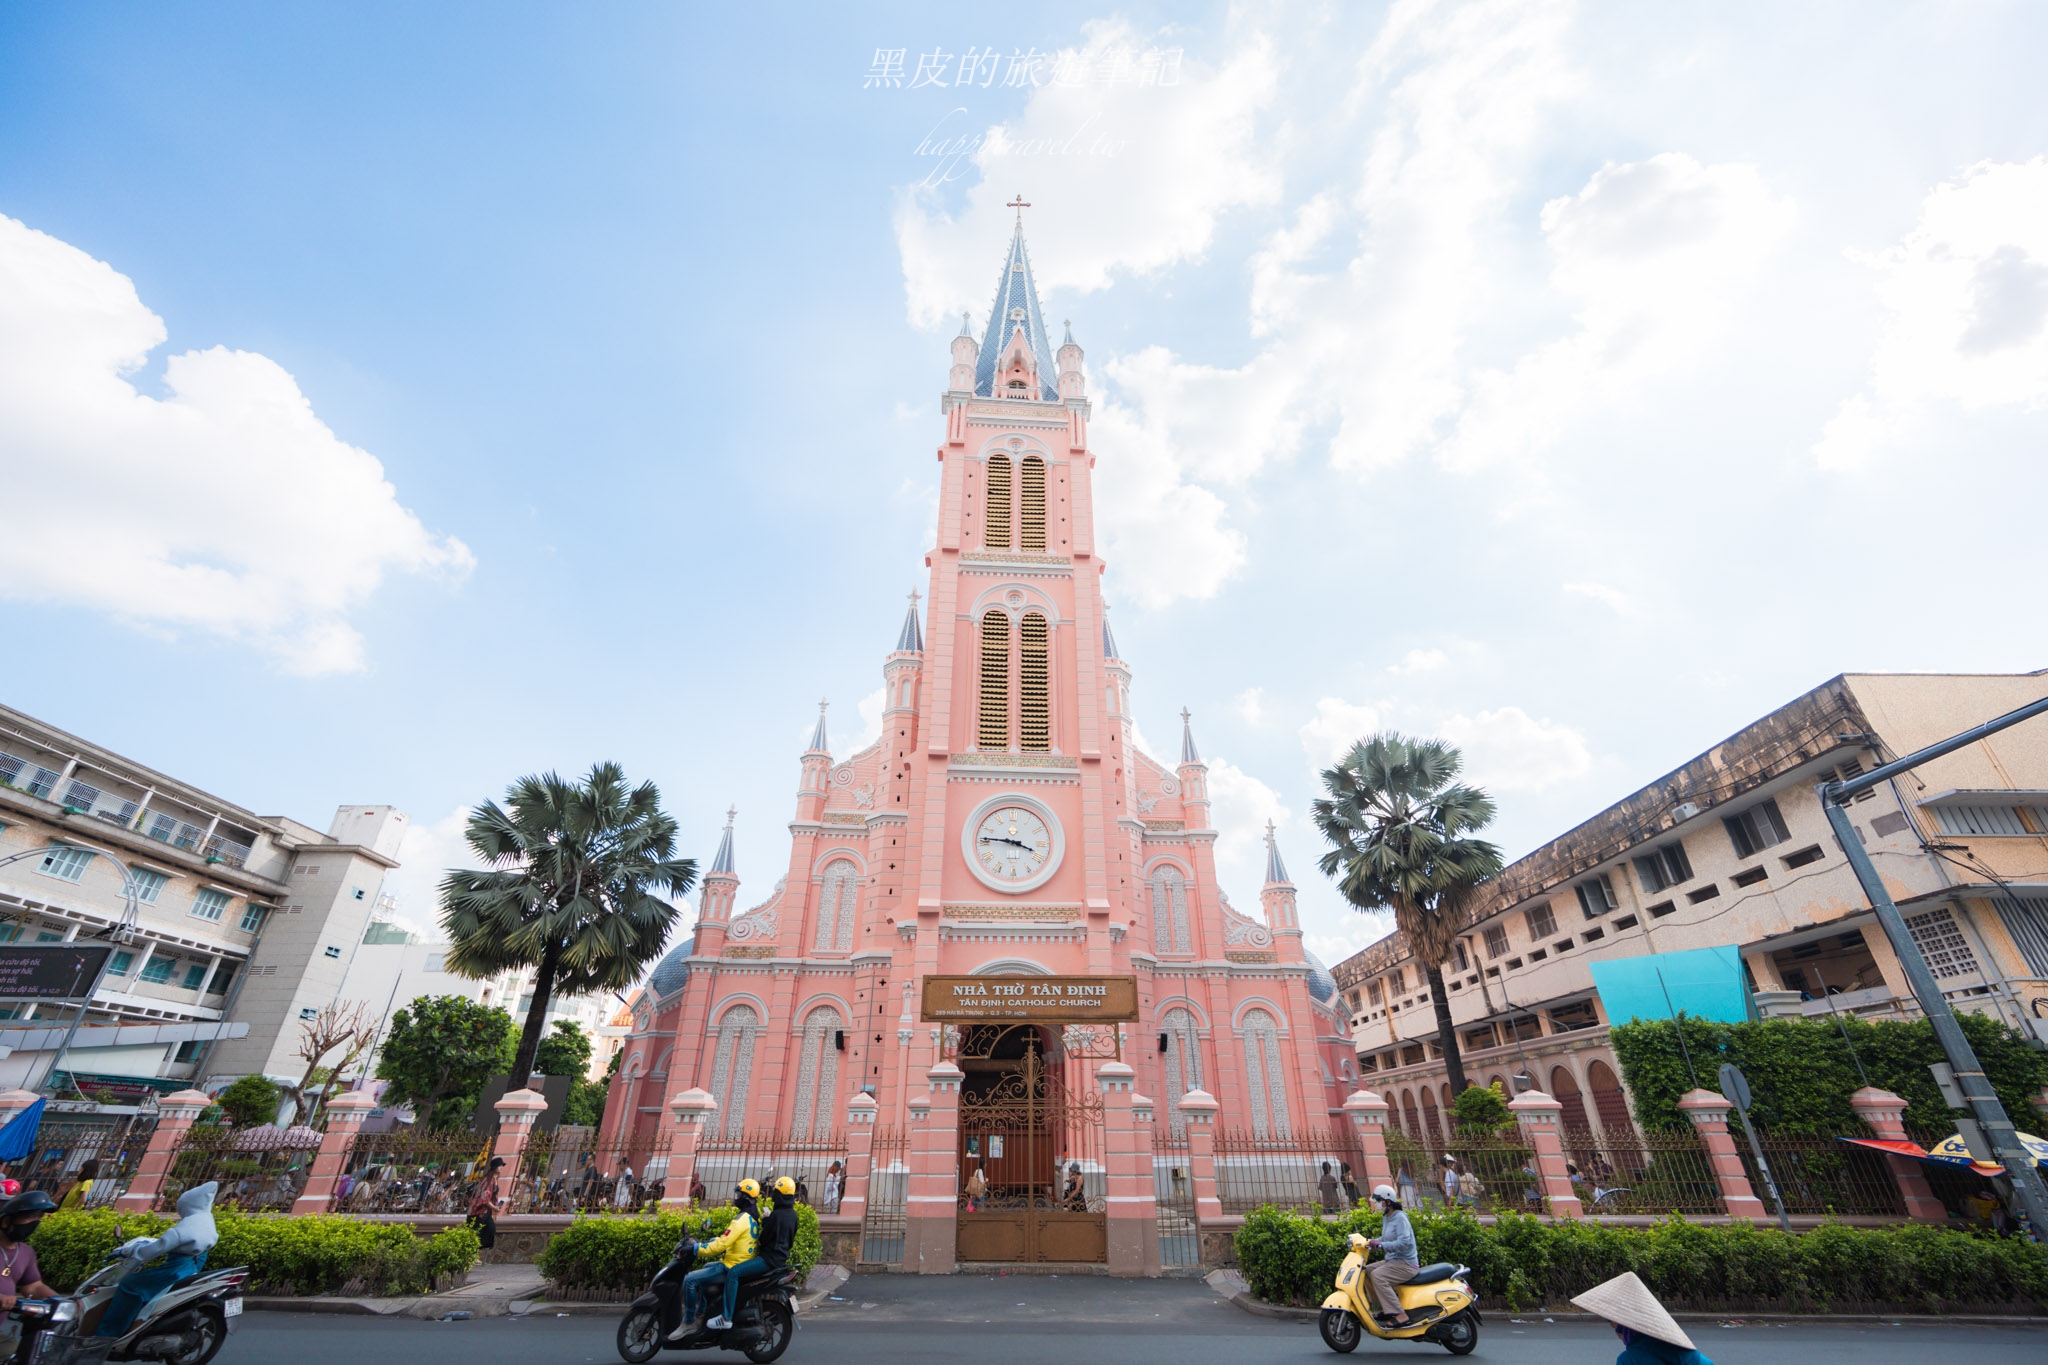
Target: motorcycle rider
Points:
(726, 1253)
(1398, 1263)
(184, 1246)
(20, 1276)
(778, 1233)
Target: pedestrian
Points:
(622, 1197)
(1327, 1189)
(1406, 1181)
(80, 1189)
(977, 1190)
(1398, 1263)
(832, 1174)
(1075, 1195)
(1648, 1335)
(1450, 1180)
(1350, 1183)
(696, 1190)
(483, 1206)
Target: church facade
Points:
(1004, 824)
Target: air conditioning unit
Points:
(1683, 811)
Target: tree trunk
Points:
(1447, 1035)
(536, 1019)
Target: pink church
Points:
(1004, 825)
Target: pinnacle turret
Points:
(723, 861)
(1108, 640)
(911, 639)
(1016, 307)
(819, 744)
(1188, 752)
(1276, 871)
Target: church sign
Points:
(1030, 999)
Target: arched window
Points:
(994, 730)
(996, 526)
(838, 899)
(732, 1066)
(1608, 1099)
(1183, 1063)
(1413, 1121)
(1031, 524)
(1564, 1088)
(817, 1074)
(1430, 1131)
(1264, 1078)
(1034, 718)
(1170, 912)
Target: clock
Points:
(1013, 843)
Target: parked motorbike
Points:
(762, 1324)
(1439, 1301)
(187, 1324)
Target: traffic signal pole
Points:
(1970, 1078)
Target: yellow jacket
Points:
(736, 1243)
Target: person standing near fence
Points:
(1326, 1189)
(80, 1190)
(1350, 1184)
(483, 1205)
(1450, 1181)
(832, 1188)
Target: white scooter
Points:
(187, 1324)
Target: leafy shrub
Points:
(1288, 1258)
(1483, 1110)
(607, 1252)
(321, 1254)
(250, 1101)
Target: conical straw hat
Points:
(1628, 1301)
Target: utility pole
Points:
(1970, 1078)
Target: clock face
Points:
(1012, 844)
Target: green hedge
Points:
(1801, 1074)
(610, 1252)
(321, 1254)
(1525, 1262)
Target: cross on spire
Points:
(1020, 204)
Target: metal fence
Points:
(1821, 1175)
(259, 1170)
(882, 1230)
(1495, 1173)
(722, 1162)
(409, 1172)
(1297, 1170)
(1173, 1190)
(66, 1143)
(1621, 1170)
(569, 1170)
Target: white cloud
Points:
(1966, 298)
(226, 507)
(1251, 704)
(1125, 179)
(870, 719)
(1508, 750)
(1338, 724)
(1239, 807)
(1614, 599)
(1421, 661)
(1165, 537)
(428, 851)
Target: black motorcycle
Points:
(762, 1324)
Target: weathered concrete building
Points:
(1733, 848)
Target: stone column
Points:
(1537, 1113)
(860, 1156)
(1368, 1114)
(691, 1113)
(1885, 1113)
(932, 1211)
(1199, 1108)
(1132, 1222)
(175, 1116)
(1708, 1111)
(345, 1115)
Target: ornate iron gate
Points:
(1033, 1185)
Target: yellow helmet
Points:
(785, 1185)
(750, 1188)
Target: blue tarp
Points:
(18, 1138)
(1706, 983)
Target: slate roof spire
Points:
(723, 862)
(1188, 753)
(1276, 871)
(911, 641)
(1108, 640)
(1016, 305)
(819, 744)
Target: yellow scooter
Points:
(1440, 1304)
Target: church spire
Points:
(1108, 640)
(1188, 752)
(1276, 871)
(819, 744)
(911, 641)
(723, 861)
(1016, 307)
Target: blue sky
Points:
(396, 402)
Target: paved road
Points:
(907, 1320)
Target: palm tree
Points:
(570, 889)
(1398, 824)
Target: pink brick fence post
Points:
(1886, 1115)
(518, 1111)
(1538, 1115)
(1369, 1130)
(1132, 1222)
(1199, 1108)
(692, 1112)
(860, 1156)
(345, 1115)
(932, 1209)
(14, 1102)
(1709, 1112)
(175, 1116)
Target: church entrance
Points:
(1033, 1185)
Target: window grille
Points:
(996, 526)
(158, 970)
(1941, 942)
(995, 682)
(1031, 528)
(1756, 829)
(1170, 912)
(1035, 716)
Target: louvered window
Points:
(1035, 714)
(1542, 923)
(996, 533)
(995, 682)
(1990, 820)
(1031, 529)
(1756, 829)
(2026, 918)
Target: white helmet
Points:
(1386, 1192)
